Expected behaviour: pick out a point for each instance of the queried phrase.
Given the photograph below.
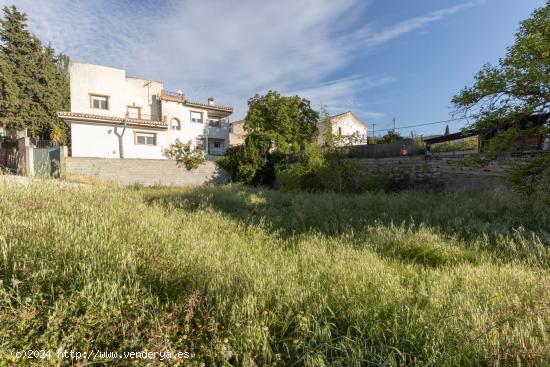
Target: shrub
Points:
(341, 175)
(469, 143)
(185, 154)
(531, 177)
(252, 163)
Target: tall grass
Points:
(248, 277)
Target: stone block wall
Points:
(147, 172)
(444, 169)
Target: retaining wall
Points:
(444, 169)
(146, 172)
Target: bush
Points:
(185, 154)
(469, 143)
(531, 177)
(340, 175)
(252, 163)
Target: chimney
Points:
(210, 101)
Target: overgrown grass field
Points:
(250, 277)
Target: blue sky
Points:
(380, 58)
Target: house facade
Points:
(118, 116)
(237, 133)
(345, 125)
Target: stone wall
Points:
(444, 169)
(146, 172)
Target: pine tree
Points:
(52, 95)
(33, 80)
(18, 52)
(9, 93)
(447, 132)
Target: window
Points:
(133, 112)
(215, 146)
(214, 122)
(99, 102)
(146, 139)
(175, 124)
(196, 117)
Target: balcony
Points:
(140, 118)
(172, 96)
(217, 122)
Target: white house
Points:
(347, 125)
(118, 116)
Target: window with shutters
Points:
(145, 138)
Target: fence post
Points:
(25, 163)
(63, 154)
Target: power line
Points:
(424, 124)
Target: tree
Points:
(289, 122)
(249, 162)
(52, 94)
(518, 87)
(277, 126)
(447, 132)
(503, 97)
(391, 137)
(19, 58)
(185, 154)
(34, 82)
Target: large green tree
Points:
(290, 122)
(276, 127)
(504, 95)
(33, 80)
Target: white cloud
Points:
(374, 38)
(228, 49)
(336, 97)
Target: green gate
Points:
(46, 159)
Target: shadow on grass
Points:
(496, 217)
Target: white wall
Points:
(93, 140)
(123, 91)
(348, 125)
(345, 123)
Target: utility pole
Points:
(394, 124)
(373, 135)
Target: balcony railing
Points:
(141, 119)
(173, 96)
(144, 117)
(218, 123)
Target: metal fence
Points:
(46, 157)
(44, 143)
